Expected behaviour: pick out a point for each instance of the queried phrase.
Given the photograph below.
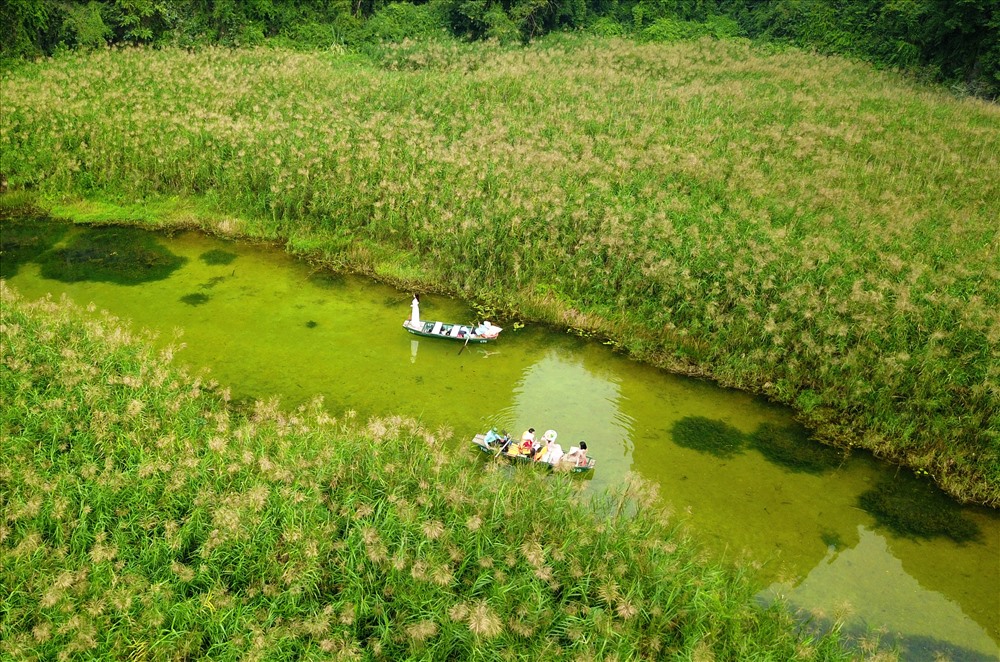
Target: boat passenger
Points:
(493, 437)
(577, 456)
(554, 454)
(541, 450)
(484, 329)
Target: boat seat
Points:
(454, 330)
(437, 327)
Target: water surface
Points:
(266, 325)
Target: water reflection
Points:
(558, 391)
(869, 581)
(269, 326)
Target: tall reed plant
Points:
(145, 516)
(799, 226)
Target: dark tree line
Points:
(955, 41)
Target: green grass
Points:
(145, 516)
(798, 226)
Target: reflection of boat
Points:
(485, 332)
(496, 444)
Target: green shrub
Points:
(399, 21)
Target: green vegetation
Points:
(912, 508)
(142, 515)
(25, 238)
(953, 42)
(217, 257)
(801, 227)
(793, 447)
(195, 298)
(708, 435)
(123, 255)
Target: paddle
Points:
(502, 446)
(472, 329)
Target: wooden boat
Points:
(495, 444)
(485, 332)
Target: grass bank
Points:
(794, 225)
(143, 516)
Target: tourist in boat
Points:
(577, 455)
(540, 450)
(542, 446)
(529, 437)
(484, 329)
(415, 310)
(554, 454)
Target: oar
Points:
(505, 445)
(501, 447)
(468, 335)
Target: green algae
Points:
(121, 255)
(24, 239)
(708, 435)
(917, 509)
(195, 299)
(217, 257)
(792, 446)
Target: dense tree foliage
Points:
(954, 41)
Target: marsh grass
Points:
(143, 515)
(799, 226)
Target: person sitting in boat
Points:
(553, 454)
(528, 436)
(540, 450)
(577, 455)
(542, 446)
(484, 329)
(493, 438)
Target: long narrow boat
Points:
(494, 444)
(485, 332)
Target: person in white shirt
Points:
(415, 309)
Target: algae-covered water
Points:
(836, 536)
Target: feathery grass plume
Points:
(229, 554)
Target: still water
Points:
(266, 325)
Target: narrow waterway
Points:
(820, 525)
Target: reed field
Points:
(145, 516)
(799, 226)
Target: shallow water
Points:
(267, 325)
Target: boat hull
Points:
(458, 332)
(480, 442)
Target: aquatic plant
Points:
(708, 435)
(792, 446)
(217, 256)
(253, 532)
(195, 298)
(916, 508)
(122, 255)
(832, 539)
(24, 238)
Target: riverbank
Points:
(801, 227)
(146, 514)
